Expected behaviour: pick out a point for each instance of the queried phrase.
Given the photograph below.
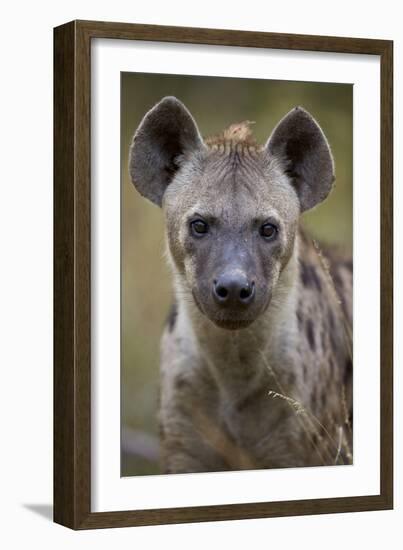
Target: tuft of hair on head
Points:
(239, 132)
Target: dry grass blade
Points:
(292, 403)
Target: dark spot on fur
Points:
(243, 358)
(304, 273)
(310, 334)
(181, 382)
(300, 318)
(309, 276)
(348, 372)
(172, 315)
(323, 398)
(305, 371)
(349, 265)
(291, 379)
(314, 440)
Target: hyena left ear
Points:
(166, 132)
(302, 146)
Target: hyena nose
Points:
(233, 289)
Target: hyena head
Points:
(231, 206)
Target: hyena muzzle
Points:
(256, 359)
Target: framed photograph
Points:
(222, 274)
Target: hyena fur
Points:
(256, 358)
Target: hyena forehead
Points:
(231, 179)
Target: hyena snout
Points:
(233, 289)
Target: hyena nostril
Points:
(219, 290)
(222, 292)
(247, 292)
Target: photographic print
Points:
(236, 274)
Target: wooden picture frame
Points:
(72, 271)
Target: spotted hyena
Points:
(256, 368)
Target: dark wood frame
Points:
(72, 292)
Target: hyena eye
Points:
(268, 231)
(199, 227)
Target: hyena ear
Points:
(300, 143)
(166, 132)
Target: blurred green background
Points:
(215, 103)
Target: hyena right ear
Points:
(166, 132)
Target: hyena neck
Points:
(240, 360)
